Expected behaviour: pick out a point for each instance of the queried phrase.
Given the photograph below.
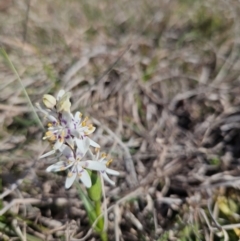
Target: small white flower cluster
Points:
(68, 134)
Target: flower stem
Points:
(100, 223)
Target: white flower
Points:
(77, 167)
(59, 133)
(80, 128)
(106, 170)
(66, 128)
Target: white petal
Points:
(93, 165)
(60, 94)
(52, 118)
(70, 142)
(66, 118)
(85, 178)
(77, 117)
(63, 146)
(82, 147)
(105, 176)
(74, 132)
(93, 157)
(47, 154)
(66, 151)
(112, 172)
(57, 145)
(93, 143)
(103, 160)
(70, 179)
(59, 166)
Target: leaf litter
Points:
(162, 86)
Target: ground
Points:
(160, 81)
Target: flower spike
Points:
(69, 135)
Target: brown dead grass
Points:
(160, 81)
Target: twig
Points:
(116, 223)
(18, 230)
(19, 201)
(210, 212)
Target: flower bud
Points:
(64, 104)
(49, 101)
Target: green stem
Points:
(87, 203)
(93, 209)
(100, 223)
(98, 211)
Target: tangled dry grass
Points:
(161, 82)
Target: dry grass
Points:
(161, 82)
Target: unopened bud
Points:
(49, 101)
(64, 104)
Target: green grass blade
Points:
(9, 62)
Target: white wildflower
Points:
(77, 167)
(103, 160)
